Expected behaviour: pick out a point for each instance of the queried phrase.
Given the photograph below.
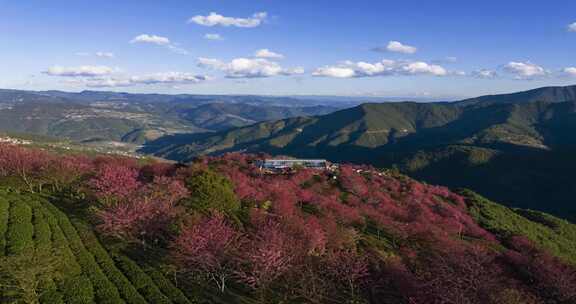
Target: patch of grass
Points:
(555, 235)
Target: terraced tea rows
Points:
(87, 272)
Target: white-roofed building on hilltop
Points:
(278, 165)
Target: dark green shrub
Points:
(127, 291)
(28, 274)
(175, 294)
(20, 228)
(51, 297)
(105, 291)
(211, 191)
(51, 294)
(69, 266)
(141, 280)
(4, 214)
(42, 233)
(78, 290)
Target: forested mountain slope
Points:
(101, 229)
(137, 118)
(508, 147)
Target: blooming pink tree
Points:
(347, 268)
(157, 169)
(208, 248)
(113, 183)
(268, 256)
(123, 221)
(549, 276)
(315, 236)
(66, 171)
(164, 191)
(25, 164)
(352, 181)
(146, 214)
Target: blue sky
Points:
(439, 49)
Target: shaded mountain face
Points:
(530, 178)
(513, 148)
(138, 118)
(397, 127)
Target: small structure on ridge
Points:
(282, 165)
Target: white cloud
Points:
(166, 78)
(398, 47)
(215, 19)
(349, 69)
(161, 41)
(178, 50)
(104, 54)
(570, 71)
(484, 74)
(106, 83)
(80, 71)
(294, 71)
(335, 71)
(211, 63)
(213, 37)
(97, 54)
(525, 70)
(248, 67)
(572, 27)
(153, 39)
(420, 67)
(169, 78)
(266, 53)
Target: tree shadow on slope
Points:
(541, 180)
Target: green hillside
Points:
(47, 252)
(62, 255)
(103, 229)
(555, 235)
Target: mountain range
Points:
(137, 118)
(79, 226)
(514, 148)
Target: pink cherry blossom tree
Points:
(208, 248)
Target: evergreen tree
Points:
(210, 191)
